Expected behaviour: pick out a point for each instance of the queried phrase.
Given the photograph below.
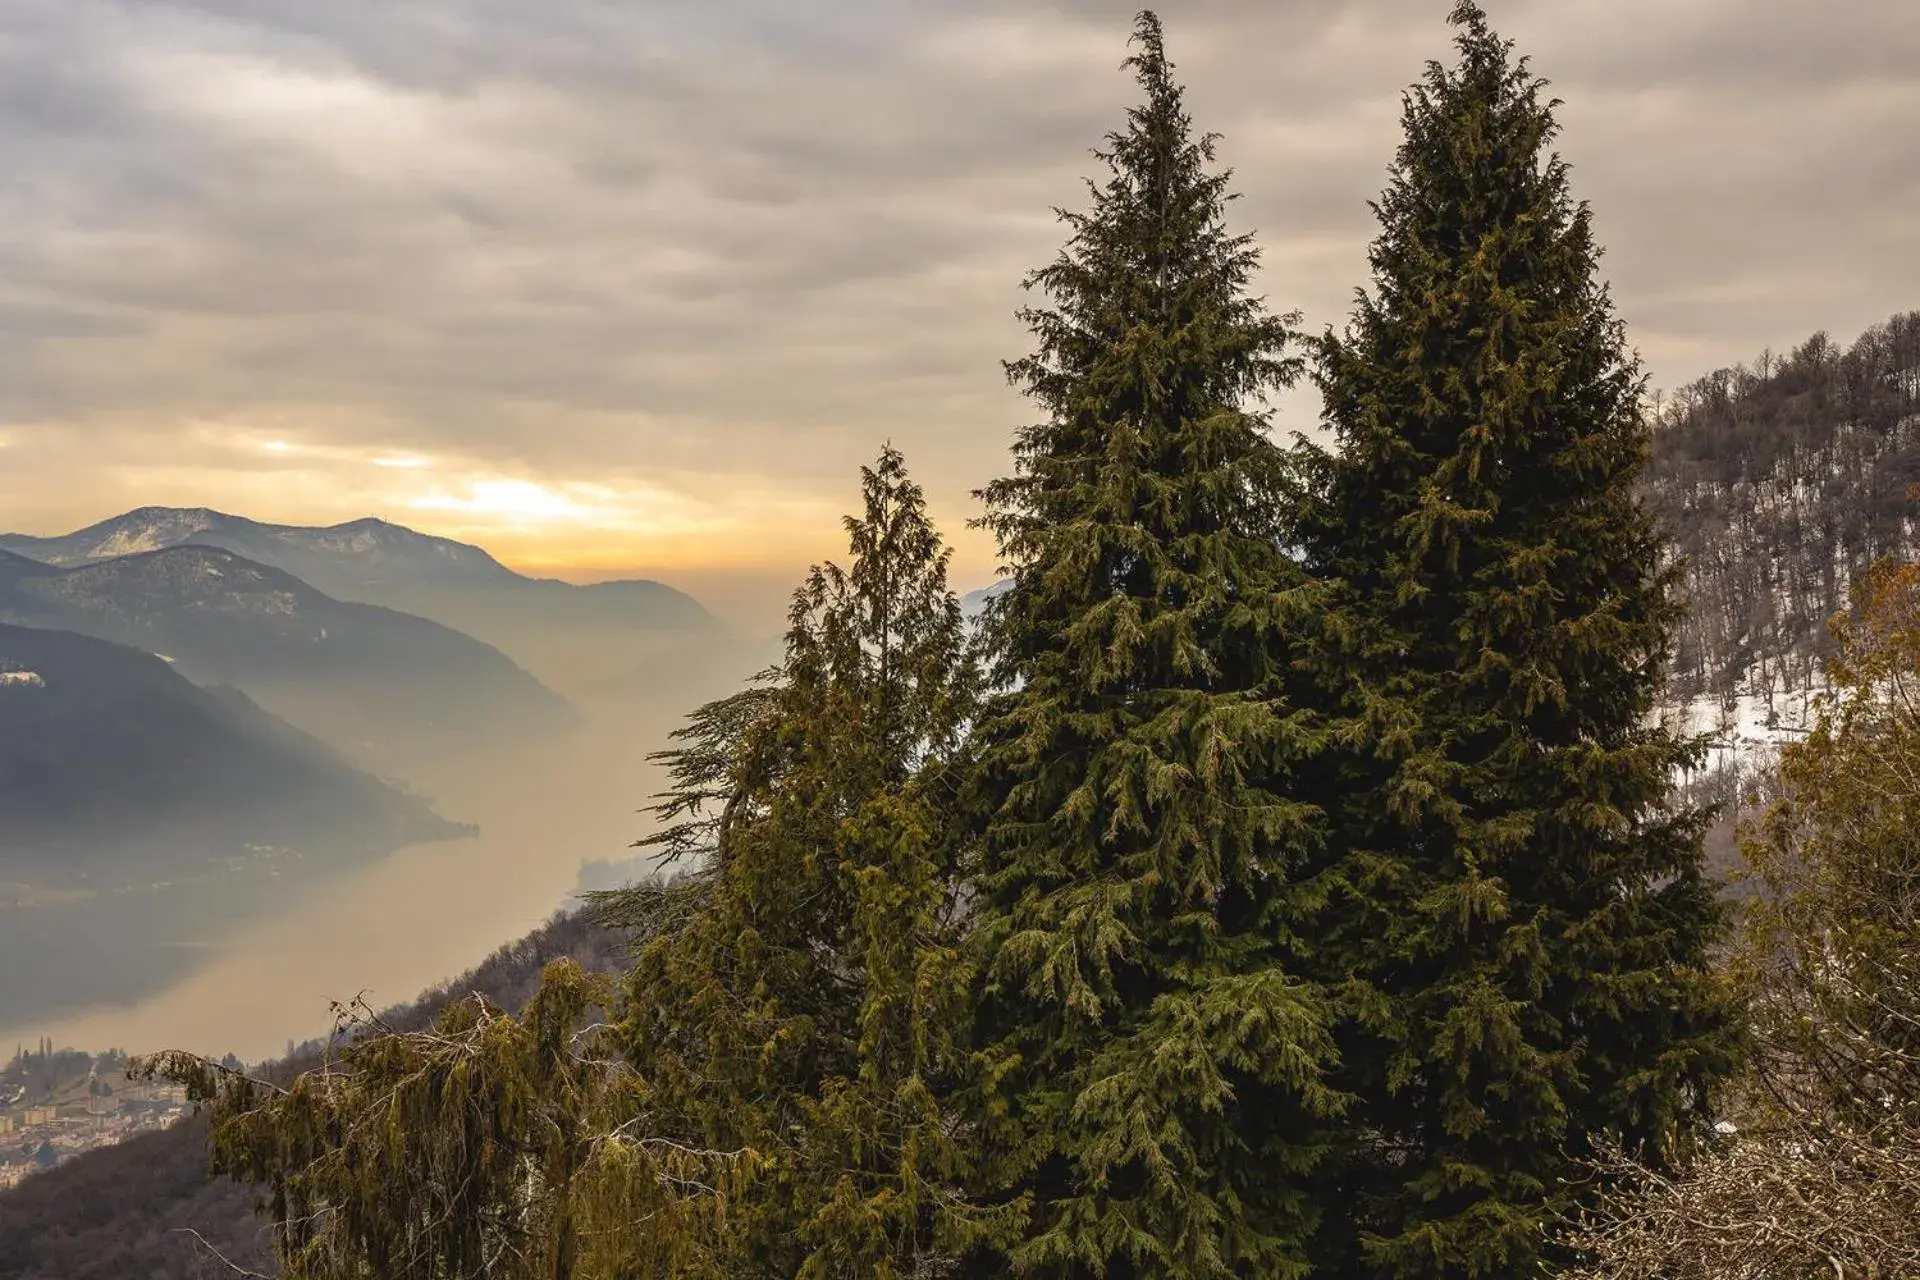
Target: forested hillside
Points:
(1779, 483)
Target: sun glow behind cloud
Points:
(616, 521)
(612, 288)
(633, 517)
(551, 521)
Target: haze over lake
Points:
(428, 912)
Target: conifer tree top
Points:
(1148, 334)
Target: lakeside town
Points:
(57, 1104)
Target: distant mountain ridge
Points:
(1778, 482)
(369, 679)
(372, 561)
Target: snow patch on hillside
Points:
(1748, 729)
(21, 679)
(152, 529)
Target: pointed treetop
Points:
(1482, 49)
(1468, 14)
(1151, 61)
(1161, 114)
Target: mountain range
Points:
(1777, 482)
(374, 562)
(385, 685)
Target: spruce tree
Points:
(806, 1011)
(1152, 1074)
(1516, 899)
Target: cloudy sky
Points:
(618, 285)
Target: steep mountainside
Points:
(1778, 483)
(380, 683)
(112, 765)
(141, 814)
(374, 562)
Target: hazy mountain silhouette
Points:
(109, 754)
(385, 685)
(144, 816)
(1777, 481)
(374, 562)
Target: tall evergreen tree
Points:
(765, 1094)
(806, 1011)
(1153, 1073)
(1516, 898)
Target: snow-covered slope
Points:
(1748, 727)
(1779, 483)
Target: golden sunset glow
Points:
(606, 322)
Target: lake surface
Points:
(429, 912)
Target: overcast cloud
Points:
(637, 283)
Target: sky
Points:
(634, 286)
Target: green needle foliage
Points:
(1153, 1075)
(1517, 902)
(487, 1145)
(797, 998)
(808, 1010)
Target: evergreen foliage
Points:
(795, 998)
(1301, 890)
(1515, 901)
(711, 776)
(808, 1010)
(1152, 1073)
(488, 1144)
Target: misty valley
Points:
(195, 739)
